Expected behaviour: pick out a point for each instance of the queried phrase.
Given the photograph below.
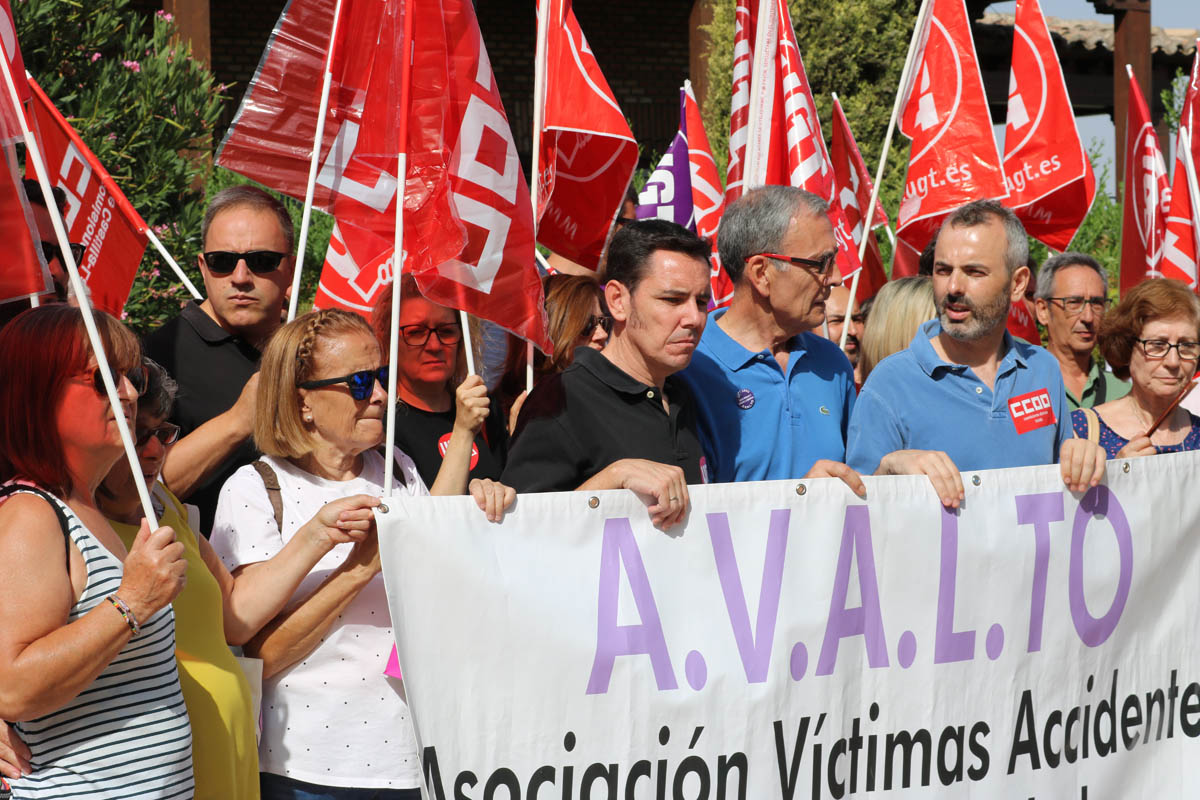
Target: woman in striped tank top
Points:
(87, 633)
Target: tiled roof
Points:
(1098, 34)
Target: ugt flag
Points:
(853, 184)
(468, 235)
(1050, 180)
(1182, 242)
(684, 188)
(97, 214)
(954, 158)
(588, 153)
(783, 140)
(1147, 195)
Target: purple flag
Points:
(668, 191)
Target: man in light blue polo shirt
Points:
(965, 395)
(774, 398)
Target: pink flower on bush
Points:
(132, 66)
(163, 15)
(96, 57)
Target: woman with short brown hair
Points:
(1152, 338)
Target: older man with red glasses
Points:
(212, 347)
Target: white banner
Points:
(795, 641)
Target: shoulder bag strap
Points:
(63, 524)
(1093, 425)
(271, 481)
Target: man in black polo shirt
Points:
(212, 348)
(617, 419)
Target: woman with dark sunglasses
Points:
(84, 618)
(320, 417)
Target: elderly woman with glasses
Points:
(434, 395)
(87, 632)
(334, 725)
(1153, 339)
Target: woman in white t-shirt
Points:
(333, 722)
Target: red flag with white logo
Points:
(22, 269)
(468, 225)
(954, 158)
(1181, 244)
(708, 203)
(1022, 323)
(853, 184)
(739, 109)
(1050, 180)
(10, 125)
(783, 140)
(588, 153)
(1147, 195)
(97, 214)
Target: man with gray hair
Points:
(212, 348)
(774, 398)
(966, 395)
(1071, 298)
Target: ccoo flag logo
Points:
(1147, 195)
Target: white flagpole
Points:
(179, 273)
(905, 74)
(468, 348)
(313, 163)
(34, 154)
(539, 97)
(1189, 166)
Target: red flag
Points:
(1050, 180)
(22, 270)
(853, 184)
(1022, 323)
(356, 271)
(10, 125)
(97, 214)
(468, 225)
(954, 157)
(1182, 243)
(783, 140)
(739, 111)
(1147, 195)
(707, 201)
(588, 153)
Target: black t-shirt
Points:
(421, 434)
(212, 367)
(579, 421)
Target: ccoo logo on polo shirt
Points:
(1031, 411)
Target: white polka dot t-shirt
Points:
(333, 718)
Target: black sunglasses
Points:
(51, 251)
(361, 383)
(821, 266)
(139, 378)
(166, 433)
(602, 320)
(260, 262)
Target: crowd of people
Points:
(263, 445)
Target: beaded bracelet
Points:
(125, 613)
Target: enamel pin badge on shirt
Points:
(1031, 411)
(745, 399)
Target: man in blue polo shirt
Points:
(774, 399)
(965, 395)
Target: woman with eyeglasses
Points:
(87, 631)
(1152, 338)
(332, 720)
(434, 396)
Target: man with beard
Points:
(618, 418)
(774, 397)
(835, 318)
(1072, 296)
(966, 394)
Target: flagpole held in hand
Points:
(468, 345)
(162, 251)
(539, 97)
(313, 163)
(869, 214)
(34, 154)
(405, 62)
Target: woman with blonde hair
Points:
(899, 308)
(320, 416)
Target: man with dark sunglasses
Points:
(774, 397)
(1070, 301)
(212, 348)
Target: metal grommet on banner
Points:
(593, 502)
(975, 481)
(801, 489)
(382, 507)
(1125, 467)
